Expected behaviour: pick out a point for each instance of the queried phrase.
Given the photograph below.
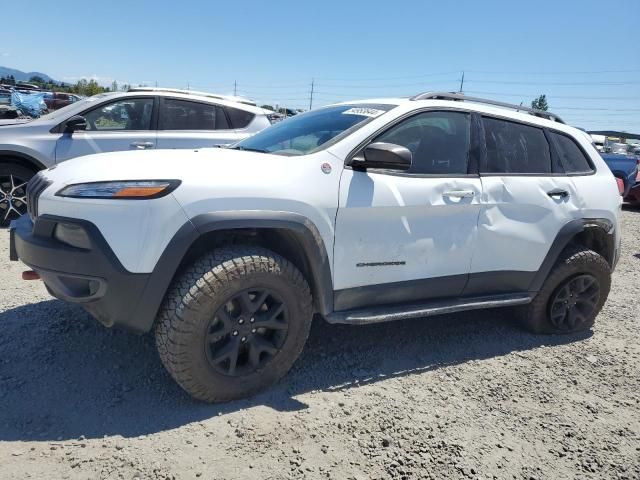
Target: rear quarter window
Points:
(239, 118)
(572, 157)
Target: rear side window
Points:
(515, 148)
(239, 118)
(184, 115)
(571, 155)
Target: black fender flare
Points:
(566, 234)
(303, 229)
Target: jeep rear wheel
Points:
(234, 323)
(572, 295)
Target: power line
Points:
(351, 95)
(453, 81)
(407, 77)
(601, 109)
(484, 72)
(606, 114)
(279, 85)
(479, 92)
(592, 72)
(569, 84)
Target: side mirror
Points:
(77, 122)
(388, 156)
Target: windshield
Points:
(312, 131)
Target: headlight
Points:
(123, 190)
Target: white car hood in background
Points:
(14, 121)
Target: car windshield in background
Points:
(79, 105)
(312, 131)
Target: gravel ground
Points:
(458, 396)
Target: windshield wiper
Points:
(248, 149)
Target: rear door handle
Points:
(459, 194)
(142, 145)
(558, 193)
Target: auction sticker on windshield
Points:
(363, 111)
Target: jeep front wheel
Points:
(234, 323)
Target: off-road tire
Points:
(21, 174)
(201, 290)
(573, 262)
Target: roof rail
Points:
(463, 97)
(229, 98)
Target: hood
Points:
(208, 165)
(14, 121)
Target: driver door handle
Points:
(459, 194)
(558, 193)
(142, 145)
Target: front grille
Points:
(35, 187)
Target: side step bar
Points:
(387, 313)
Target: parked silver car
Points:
(140, 119)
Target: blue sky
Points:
(584, 55)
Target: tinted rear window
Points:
(571, 155)
(515, 148)
(184, 115)
(239, 118)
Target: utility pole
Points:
(461, 82)
(235, 88)
(311, 96)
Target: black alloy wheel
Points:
(246, 332)
(574, 302)
(13, 197)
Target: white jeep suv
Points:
(143, 118)
(360, 212)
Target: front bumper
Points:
(92, 277)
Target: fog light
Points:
(72, 235)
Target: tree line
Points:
(82, 87)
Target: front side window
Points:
(571, 156)
(439, 141)
(515, 148)
(312, 131)
(185, 115)
(128, 114)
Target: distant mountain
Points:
(21, 76)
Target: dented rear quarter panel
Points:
(519, 221)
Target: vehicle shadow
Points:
(63, 376)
